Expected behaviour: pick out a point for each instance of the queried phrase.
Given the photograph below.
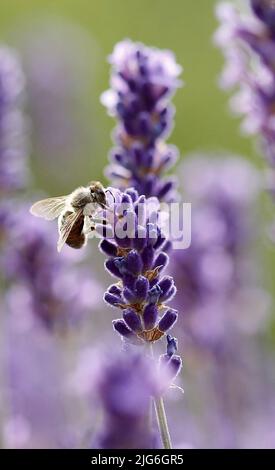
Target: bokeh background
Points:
(202, 121)
(70, 131)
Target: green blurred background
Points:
(202, 120)
(185, 26)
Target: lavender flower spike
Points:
(12, 127)
(125, 386)
(30, 262)
(142, 294)
(217, 273)
(143, 81)
(248, 43)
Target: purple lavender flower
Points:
(225, 307)
(137, 258)
(217, 275)
(35, 416)
(121, 386)
(142, 83)
(13, 171)
(135, 247)
(125, 387)
(58, 298)
(45, 294)
(248, 43)
(265, 11)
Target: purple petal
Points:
(150, 315)
(168, 320)
(161, 261)
(132, 320)
(108, 248)
(134, 263)
(142, 287)
(112, 299)
(148, 257)
(154, 294)
(112, 268)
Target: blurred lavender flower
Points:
(13, 145)
(216, 274)
(120, 387)
(125, 388)
(60, 291)
(248, 43)
(225, 392)
(31, 411)
(143, 81)
(225, 307)
(13, 136)
(34, 398)
(42, 292)
(28, 256)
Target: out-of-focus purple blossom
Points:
(34, 395)
(121, 387)
(13, 148)
(45, 293)
(42, 292)
(225, 307)
(143, 80)
(216, 277)
(5, 208)
(137, 257)
(265, 11)
(248, 43)
(60, 291)
(125, 388)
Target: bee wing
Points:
(66, 228)
(49, 208)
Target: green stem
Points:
(162, 423)
(161, 417)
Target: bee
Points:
(75, 213)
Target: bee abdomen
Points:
(76, 238)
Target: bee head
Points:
(98, 193)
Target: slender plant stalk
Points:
(162, 423)
(150, 414)
(161, 417)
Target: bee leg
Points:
(92, 229)
(96, 220)
(89, 225)
(100, 221)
